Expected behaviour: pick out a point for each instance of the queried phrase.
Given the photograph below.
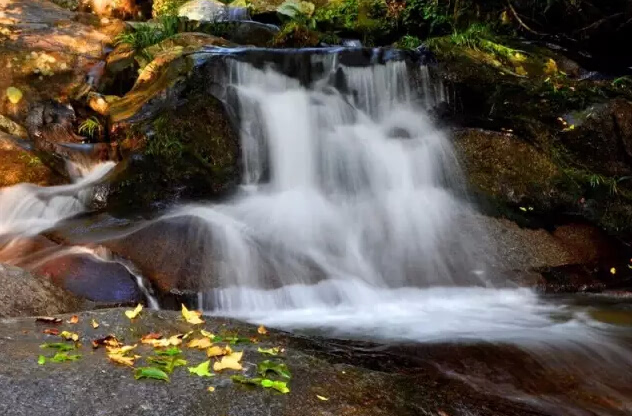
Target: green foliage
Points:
(164, 142)
(146, 35)
(167, 7)
(368, 19)
(62, 357)
(433, 16)
(409, 42)
(280, 386)
(167, 364)
(295, 35)
(202, 370)
(150, 372)
(299, 12)
(59, 346)
(90, 127)
(279, 369)
(169, 352)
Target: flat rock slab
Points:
(347, 376)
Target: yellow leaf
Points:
(156, 342)
(207, 334)
(120, 350)
(521, 71)
(73, 319)
(133, 314)
(550, 67)
(192, 317)
(229, 362)
(262, 330)
(216, 351)
(200, 343)
(323, 398)
(613, 271)
(95, 324)
(211, 389)
(121, 359)
(69, 336)
(14, 95)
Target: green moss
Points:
(167, 7)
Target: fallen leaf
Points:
(73, 319)
(51, 331)
(211, 389)
(323, 398)
(187, 335)
(192, 317)
(61, 346)
(202, 370)
(207, 334)
(121, 350)
(153, 335)
(280, 386)
(108, 341)
(200, 343)
(262, 330)
(69, 336)
(167, 364)
(277, 368)
(216, 351)
(95, 324)
(229, 362)
(613, 271)
(134, 313)
(269, 351)
(150, 372)
(122, 359)
(62, 357)
(174, 340)
(48, 320)
(41, 360)
(169, 352)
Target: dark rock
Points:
(26, 294)
(403, 381)
(602, 138)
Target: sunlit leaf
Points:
(51, 331)
(48, 320)
(269, 351)
(119, 358)
(169, 352)
(95, 324)
(207, 334)
(216, 351)
(60, 346)
(229, 362)
(134, 313)
(192, 317)
(74, 319)
(200, 343)
(62, 357)
(150, 372)
(153, 335)
(211, 389)
(613, 271)
(41, 360)
(278, 368)
(69, 336)
(121, 350)
(174, 340)
(323, 398)
(246, 380)
(280, 386)
(262, 330)
(202, 370)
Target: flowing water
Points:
(352, 222)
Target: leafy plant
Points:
(279, 369)
(146, 35)
(409, 42)
(300, 12)
(90, 127)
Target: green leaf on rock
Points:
(202, 369)
(269, 351)
(61, 346)
(62, 357)
(280, 386)
(150, 372)
(278, 368)
(245, 380)
(41, 360)
(167, 364)
(169, 352)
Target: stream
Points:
(353, 222)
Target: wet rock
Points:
(403, 382)
(20, 165)
(25, 294)
(509, 170)
(602, 137)
(51, 123)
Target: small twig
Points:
(523, 24)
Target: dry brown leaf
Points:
(120, 350)
(262, 330)
(51, 331)
(108, 341)
(216, 351)
(121, 359)
(74, 319)
(69, 336)
(48, 320)
(163, 342)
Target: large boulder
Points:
(212, 11)
(25, 294)
(19, 165)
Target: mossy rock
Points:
(166, 7)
